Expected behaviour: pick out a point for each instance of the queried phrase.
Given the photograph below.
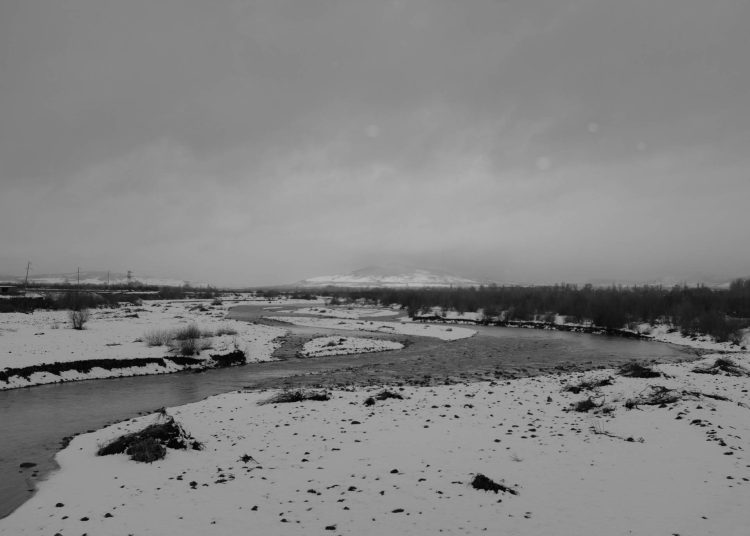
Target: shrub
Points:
(635, 369)
(237, 357)
(386, 394)
(157, 337)
(188, 347)
(146, 450)
(188, 340)
(654, 395)
(484, 483)
(296, 396)
(191, 331)
(723, 365)
(79, 300)
(150, 443)
(584, 405)
(78, 317)
(587, 385)
(225, 330)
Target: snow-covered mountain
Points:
(100, 278)
(389, 276)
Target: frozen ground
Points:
(405, 466)
(46, 337)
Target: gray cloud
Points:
(267, 141)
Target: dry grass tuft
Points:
(296, 396)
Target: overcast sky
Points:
(261, 142)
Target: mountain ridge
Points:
(390, 276)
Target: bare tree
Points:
(78, 317)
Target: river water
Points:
(34, 420)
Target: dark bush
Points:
(634, 369)
(654, 395)
(587, 385)
(237, 357)
(151, 441)
(723, 365)
(146, 450)
(79, 317)
(587, 404)
(188, 332)
(386, 394)
(297, 396)
(484, 483)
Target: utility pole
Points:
(79, 277)
(26, 281)
(107, 278)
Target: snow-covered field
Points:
(323, 346)
(44, 337)
(405, 466)
(447, 333)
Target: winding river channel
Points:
(35, 420)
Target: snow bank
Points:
(323, 346)
(405, 466)
(672, 335)
(401, 328)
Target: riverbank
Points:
(628, 465)
(645, 331)
(41, 347)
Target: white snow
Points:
(322, 346)
(450, 333)
(670, 334)
(46, 337)
(405, 466)
(347, 312)
(394, 277)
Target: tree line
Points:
(714, 311)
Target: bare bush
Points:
(587, 385)
(78, 317)
(296, 396)
(158, 337)
(723, 365)
(150, 444)
(635, 369)
(191, 331)
(585, 405)
(188, 347)
(225, 330)
(484, 483)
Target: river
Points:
(36, 419)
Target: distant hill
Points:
(392, 276)
(93, 277)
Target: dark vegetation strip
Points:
(84, 366)
(716, 312)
